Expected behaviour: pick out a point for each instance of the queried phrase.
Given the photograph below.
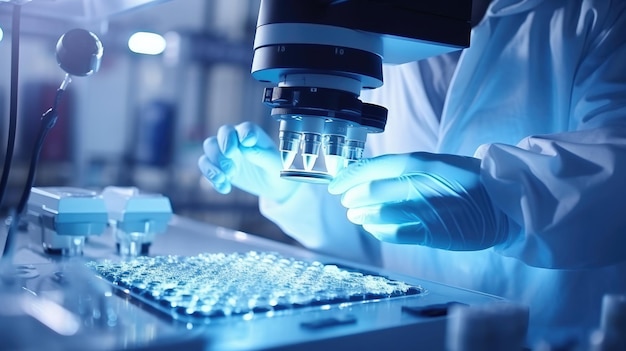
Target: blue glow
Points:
(146, 43)
(1, 34)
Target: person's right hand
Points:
(246, 157)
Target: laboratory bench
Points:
(203, 287)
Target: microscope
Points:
(320, 55)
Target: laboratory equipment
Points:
(204, 288)
(63, 217)
(136, 217)
(614, 313)
(210, 288)
(320, 54)
(79, 53)
(611, 336)
(500, 326)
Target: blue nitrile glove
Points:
(434, 200)
(246, 157)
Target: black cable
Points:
(15, 57)
(12, 227)
(48, 121)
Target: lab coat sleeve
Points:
(317, 220)
(567, 191)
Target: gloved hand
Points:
(246, 157)
(434, 200)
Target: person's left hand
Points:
(435, 200)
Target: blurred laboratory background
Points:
(141, 120)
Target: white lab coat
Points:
(540, 97)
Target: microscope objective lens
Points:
(353, 151)
(334, 164)
(333, 153)
(287, 158)
(310, 149)
(308, 161)
(311, 143)
(333, 144)
(289, 145)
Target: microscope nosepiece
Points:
(310, 118)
